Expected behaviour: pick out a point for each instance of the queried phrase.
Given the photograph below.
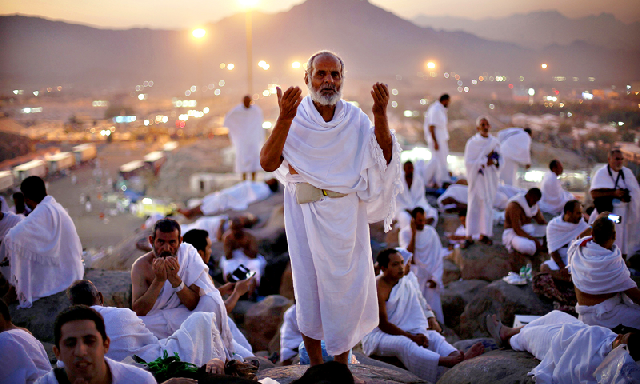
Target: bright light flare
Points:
(544, 66)
(249, 4)
(198, 33)
(230, 66)
(295, 65)
(431, 65)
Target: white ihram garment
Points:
(329, 240)
(519, 243)
(559, 235)
(290, 336)
(196, 341)
(437, 168)
(120, 374)
(554, 197)
(168, 313)
(569, 350)
(596, 270)
(257, 265)
(428, 265)
(483, 184)
(247, 135)
(9, 220)
(515, 149)
(405, 312)
(237, 197)
(411, 198)
(44, 253)
(24, 359)
(629, 227)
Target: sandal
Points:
(494, 331)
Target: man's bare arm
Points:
(633, 294)
(251, 246)
(514, 216)
(380, 94)
(539, 218)
(432, 130)
(556, 257)
(144, 295)
(220, 231)
(271, 153)
(606, 192)
(386, 326)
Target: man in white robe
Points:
(515, 151)
(413, 195)
(457, 196)
(44, 250)
(554, 196)
(247, 135)
(8, 220)
(614, 188)
(436, 134)
(81, 344)
(340, 174)
(427, 263)
(561, 231)
(520, 234)
(290, 336)
(570, 352)
(403, 330)
(607, 296)
(481, 159)
(24, 359)
(171, 282)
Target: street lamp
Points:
(295, 65)
(249, 5)
(199, 34)
(544, 66)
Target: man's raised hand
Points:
(380, 94)
(288, 102)
(159, 270)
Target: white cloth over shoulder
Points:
(554, 197)
(120, 374)
(247, 135)
(24, 359)
(411, 198)
(329, 240)
(9, 221)
(168, 313)
(44, 252)
(561, 233)
(515, 144)
(483, 183)
(522, 202)
(290, 336)
(236, 198)
(596, 270)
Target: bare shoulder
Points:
(384, 289)
(142, 264)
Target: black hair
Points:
(4, 311)
(197, 238)
(570, 206)
(445, 96)
(165, 225)
(383, 257)
(417, 210)
(553, 164)
(589, 210)
(330, 372)
(462, 213)
(83, 292)
(535, 192)
(273, 185)
(528, 130)
(408, 162)
(603, 230)
(633, 343)
(33, 188)
(77, 312)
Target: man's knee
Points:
(524, 246)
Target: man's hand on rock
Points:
(420, 339)
(288, 102)
(215, 366)
(380, 94)
(159, 269)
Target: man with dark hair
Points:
(19, 206)
(196, 341)
(615, 189)
(436, 135)
(553, 195)
(561, 231)
(520, 234)
(607, 295)
(200, 240)
(171, 282)
(81, 344)
(241, 247)
(24, 359)
(515, 149)
(244, 122)
(571, 351)
(403, 330)
(43, 250)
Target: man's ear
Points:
(151, 240)
(56, 352)
(106, 343)
(101, 298)
(306, 78)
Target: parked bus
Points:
(60, 161)
(32, 168)
(84, 153)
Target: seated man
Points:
(607, 296)
(196, 341)
(81, 344)
(237, 198)
(424, 243)
(171, 282)
(519, 233)
(455, 197)
(241, 247)
(44, 249)
(8, 220)
(24, 357)
(290, 336)
(402, 331)
(569, 350)
(553, 195)
(413, 195)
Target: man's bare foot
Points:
(452, 360)
(476, 350)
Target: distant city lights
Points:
(230, 66)
(394, 104)
(32, 110)
(531, 91)
(263, 64)
(205, 109)
(99, 103)
(142, 96)
(587, 96)
(36, 93)
(394, 92)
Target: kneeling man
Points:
(520, 234)
(403, 326)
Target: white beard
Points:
(324, 100)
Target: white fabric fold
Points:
(554, 197)
(237, 197)
(596, 270)
(411, 198)
(522, 202)
(24, 359)
(560, 232)
(9, 220)
(120, 374)
(483, 183)
(247, 135)
(290, 336)
(515, 144)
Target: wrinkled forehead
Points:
(327, 63)
(166, 236)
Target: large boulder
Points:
(451, 272)
(372, 374)
(496, 367)
(263, 320)
(114, 285)
(485, 262)
(455, 298)
(504, 300)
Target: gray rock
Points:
(455, 298)
(488, 344)
(371, 374)
(485, 262)
(451, 272)
(263, 320)
(496, 367)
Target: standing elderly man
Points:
(245, 131)
(340, 174)
(437, 137)
(615, 189)
(515, 148)
(482, 161)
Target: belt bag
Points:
(307, 193)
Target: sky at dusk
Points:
(174, 14)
